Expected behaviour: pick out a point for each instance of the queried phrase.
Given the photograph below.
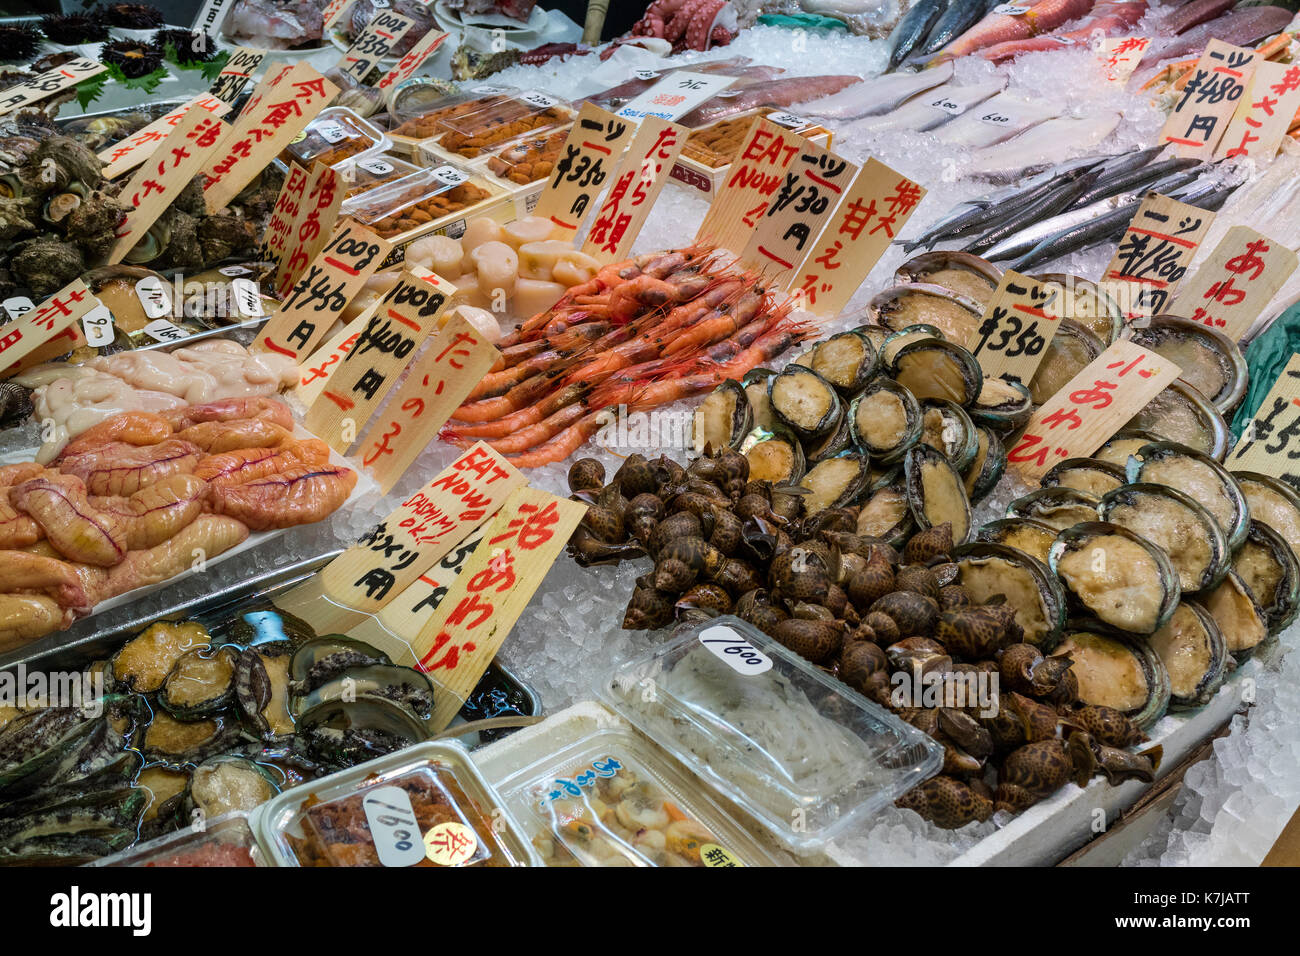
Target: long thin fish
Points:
(1125, 162)
(879, 95)
(928, 110)
(1134, 179)
(1050, 206)
(960, 16)
(912, 28)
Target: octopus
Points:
(687, 24)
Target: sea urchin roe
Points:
(881, 419)
(984, 577)
(1260, 571)
(945, 499)
(1171, 527)
(1198, 481)
(1237, 614)
(1273, 509)
(1109, 674)
(1117, 579)
(882, 513)
(1183, 646)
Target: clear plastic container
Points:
(425, 806)
(416, 201)
(529, 159)
(335, 135)
(717, 144)
(613, 799)
(472, 133)
(227, 840)
(419, 113)
(365, 173)
(803, 753)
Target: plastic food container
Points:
(614, 800)
(366, 172)
(336, 134)
(420, 114)
(705, 161)
(415, 203)
(227, 840)
(425, 806)
(470, 132)
(804, 754)
(530, 159)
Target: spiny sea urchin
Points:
(133, 58)
(132, 16)
(191, 46)
(18, 41)
(74, 28)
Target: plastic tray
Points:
(507, 118)
(411, 206)
(801, 752)
(529, 159)
(335, 135)
(365, 173)
(230, 830)
(418, 119)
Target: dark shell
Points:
(947, 802)
(818, 641)
(586, 474)
(912, 613)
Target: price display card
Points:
(58, 344)
(211, 15)
(1200, 118)
(314, 221)
(1270, 445)
(316, 370)
(380, 35)
(263, 130)
(47, 84)
(35, 328)
(275, 242)
(1154, 253)
(1231, 288)
(751, 184)
(1264, 113)
(1092, 406)
(869, 218)
(424, 48)
(675, 95)
(590, 151)
(404, 319)
(135, 149)
(236, 74)
(164, 174)
(334, 11)
(331, 281)
(1121, 55)
(273, 75)
(1012, 338)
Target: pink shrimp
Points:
(529, 415)
(498, 383)
(728, 320)
(562, 445)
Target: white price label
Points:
(154, 297)
(231, 272)
(738, 654)
(248, 299)
(647, 74)
(393, 827)
(1010, 9)
(998, 118)
(375, 166)
(674, 95)
(540, 100)
(948, 106)
(450, 176)
(788, 120)
(380, 4)
(17, 306)
(98, 326)
(160, 330)
(331, 131)
(489, 90)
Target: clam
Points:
(1115, 670)
(947, 428)
(895, 341)
(723, 419)
(1085, 474)
(1024, 534)
(804, 402)
(1210, 361)
(986, 468)
(935, 492)
(1086, 303)
(835, 483)
(1239, 616)
(959, 272)
(1199, 477)
(1122, 579)
(988, 570)
(1194, 653)
(1121, 445)
(1057, 507)
(1268, 566)
(201, 682)
(885, 420)
(1177, 524)
(956, 316)
(935, 368)
(1002, 403)
(755, 384)
(774, 456)
(1272, 501)
(886, 515)
(846, 360)
(1071, 349)
(1181, 413)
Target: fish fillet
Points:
(879, 95)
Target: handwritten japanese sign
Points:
(135, 149)
(675, 95)
(312, 224)
(275, 72)
(518, 548)
(1121, 55)
(1230, 290)
(288, 204)
(316, 370)
(424, 48)
(234, 76)
(1154, 254)
(210, 16)
(48, 83)
(58, 344)
(590, 151)
(164, 174)
(869, 218)
(24, 335)
(264, 129)
(755, 175)
(330, 282)
(1264, 113)
(1091, 407)
(380, 35)
(1270, 445)
(334, 11)
(1208, 99)
(1018, 323)
(455, 361)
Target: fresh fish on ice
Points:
(1139, 178)
(1048, 142)
(930, 109)
(1244, 27)
(912, 29)
(778, 93)
(1195, 13)
(1000, 118)
(1058, 201)
(1108, 16)
(1043, 17)
(960, 16)
(879, 95)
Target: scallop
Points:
(1069, 352)
(1182, 414)
(723, 419)
(774, 456)
(1029, 535)
(804, 402)
(960, 272)
(1191, 647)
(1121, 579)
(1057, 507)
(885, 419)
(1267, 565)
(1084, 302)
(1085, 474)
(935, 492)
(921, 303)
(1113, 670)
(846, 360)
(1238, 614)
(1210, 361)
(835, 483)
(987, 570)
(1175, 523)
(1200, 478)
(935, 368)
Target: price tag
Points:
(789, 120)
(17, 306)
(590, 152)
(1010, 9)
(1208, 99)
(154, 297)
(450, 176)
(1001, 116)
(22, 336)
(734, 651)
(380, 4)
(1011, 340)
(646, 75)
(160, 330)
(451, 844)
(1092, 406)
(491, 90)
(949, 106)
(1261, 118)
(330, 131)
(543, 101)
(1232, 287)
(394, 829)
(210, 16)
(675, 95)
(231, 272)
(48, 83)
(334, 11)
(248, 298)
(424, 48)
(316, 370)
(135, 149)
(376, 167)
(97, 324)
(1270, 445)
(1154, 253)
(712, 855)
(1121, 55)
(758, 169)
(381, 34)
(287, 208)
(236, 74)
(315, 217)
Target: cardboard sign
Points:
(263, 130)
(47, 84)
(519, 546)
(675, 95)
(1012, 339)
(316, 370)
(1232, 287)
(1121, 55)
(1153, 256)
(311, 227)
(65, 308)
(1264, 113)
(210, 16)
(135, 149)
(380, 35)
(455, 361)
(288, 204)
(638, 181)
(404, 319)
(591, 149)
(237, 72)
(1208, 99)
(847, 250)
(755, 175)
(331, 281)
(424, 48)
(1092, 406)
(1270, 445)
(164, 174)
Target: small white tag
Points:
(98, 326)
(788, 120)
(740, 655)
(375, 166)
(17, 306)
(647, 75)
(331, 131)
(1010, 9)
(948, 106)
(449, 176)
(248, 300)
(540, 100)
(231, 272)
(998, 118)
(393, 827)
(489, 90)
(160, 330)
(380, 4)
(154, 297)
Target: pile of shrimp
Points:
(640, 333)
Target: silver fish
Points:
(1043, 144)
(960, 16)
(1050, 205)
(913, 28)
(879, 95)
(999, 119)
(929, 110)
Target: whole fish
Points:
(1107, 16)
(1048, 142)
(960, 16)
(1243, 27)
(1043, 17)
(1135, 178)
(1000, 118)
(1050, 206)
(1105, 228)
(878, 95)
(1196, 13)
(928, 110)
(1127, 161)
(737, 66)
(778, 93)
(912, 28)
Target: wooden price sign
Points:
(1208, 100)
(1092, 406)
(316, 371)
(1121, 55)
(404, 319)
(638, 181)
(455, 361)
(311, 226)
(1264, 113)
(47, 84)
(237, 73)
(263, 130)
(1270, 445)
(24, 335)
(1231, 288)
(331, 281)
(876, 207)
(519, 546)
(135, 149)
(381, 34)
(803, 205)
(755, 175)
(273, 75)
(424, 48)
(1154, 253)
(334, 11)
(58, 344)
(593, 146)
(275, 244)
(164, 174)
(1012, 339)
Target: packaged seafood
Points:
(363, 173)
(226, 841)
(469, 126)
(709, 151)
(527, 160)
(418, 203)
(336, 134)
